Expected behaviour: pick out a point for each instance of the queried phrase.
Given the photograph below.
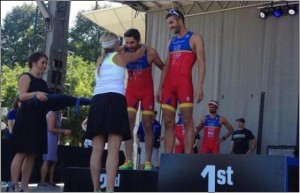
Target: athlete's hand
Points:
(199, 95)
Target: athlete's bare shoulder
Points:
(151, 51)
(196, 38)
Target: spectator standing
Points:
(50, 159)
(242, 140)
(12, 114)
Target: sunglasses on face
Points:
(212, 107)
(172, 11)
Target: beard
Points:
(176, 30)
(131, 50)
(212, 111)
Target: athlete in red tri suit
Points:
(179, 136)
(140, 89)
(176, 84)
(211, 125)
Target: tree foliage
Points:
(10, 83)
(79, 83)
(18, 38)
(18, 35)
(84, 38)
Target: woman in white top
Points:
(108, 118)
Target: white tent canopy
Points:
(118, 19)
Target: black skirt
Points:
(108, 115)
(30, 131)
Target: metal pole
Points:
(260, 122)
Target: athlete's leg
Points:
(169, 106)
(142, 156)
(169, 136)
(129, 143)
(216, 147)
(147, 118)
(202, 147)
(189, 136)
(132, 107)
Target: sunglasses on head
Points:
(172, 11)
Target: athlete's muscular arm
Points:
(228, 126)
(163, 76)
(122, 58)
(198, 48)
(154, 58)
(201, 124)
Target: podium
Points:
(199, 173)
(78, 179)
(230, 173)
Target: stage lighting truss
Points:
(278, 10)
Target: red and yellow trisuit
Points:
(178, 85)
(140, 86)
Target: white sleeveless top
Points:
(110, 77)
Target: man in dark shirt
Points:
(242, 140)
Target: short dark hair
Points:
(133, 33)
(175, 12)
(242, 120)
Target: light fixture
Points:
(292, 9)
(264, 13)
(277, 11)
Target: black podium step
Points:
(228, 173)
(78, 179)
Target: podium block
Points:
(78, 179)
(230, 173)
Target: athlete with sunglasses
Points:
(176, 85)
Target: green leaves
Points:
(17, 35)
(84, 39)
(9, 87)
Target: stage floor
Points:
(34, 188)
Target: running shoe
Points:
(128, 165)
(148, 166)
